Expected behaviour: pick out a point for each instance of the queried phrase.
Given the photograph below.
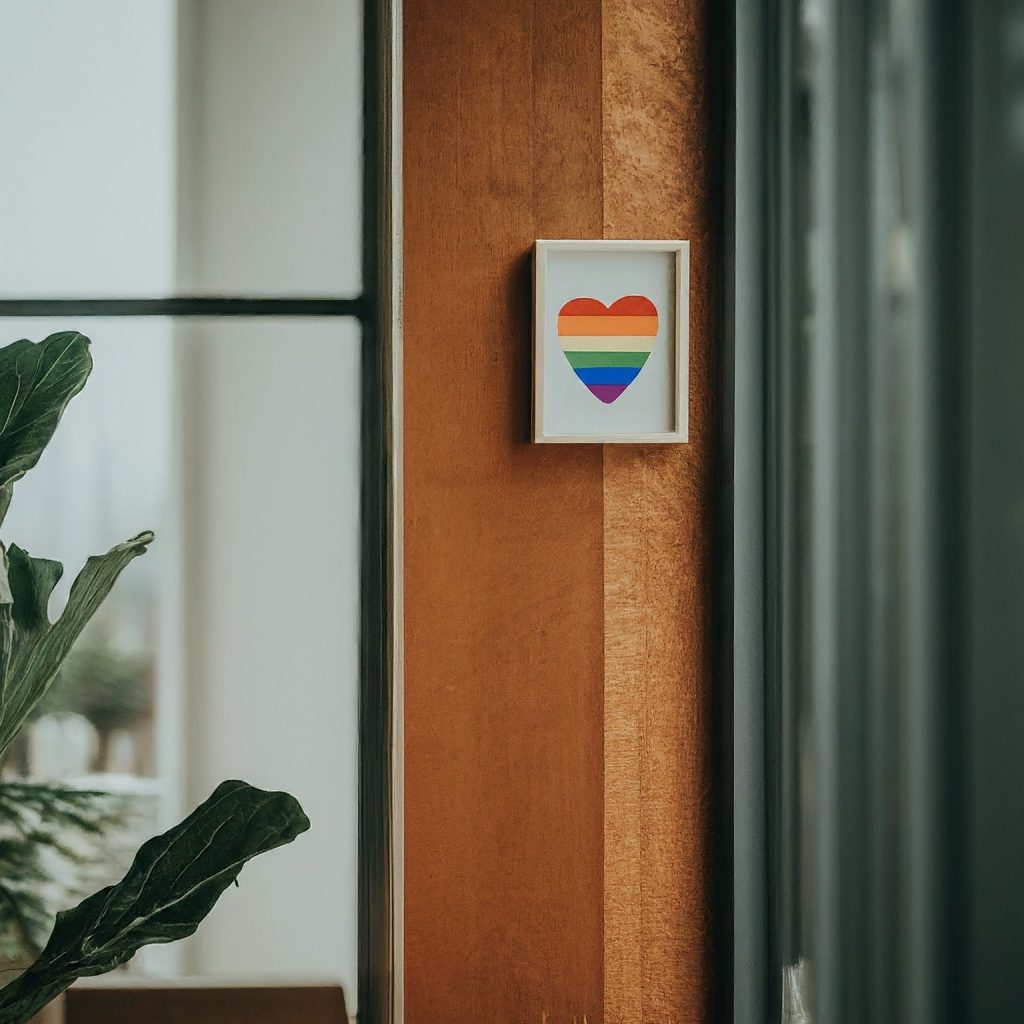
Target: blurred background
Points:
(879, 264)
(174, 148)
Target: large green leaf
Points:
(39, 647)
(37, 380)
(172, 885)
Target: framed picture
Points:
(611, 342)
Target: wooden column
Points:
(503, 539)
(659, 521)
(558, 613)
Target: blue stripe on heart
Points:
(621, 375)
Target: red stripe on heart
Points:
(628, 305)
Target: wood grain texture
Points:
(503, 539)
(558, 599)
(180, 1004)
(658, 509)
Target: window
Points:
(196, 198)
(876, 473)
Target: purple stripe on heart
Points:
(607, 392)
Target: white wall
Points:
(269, 167)
(270, 94)
(271, 588)
(87, 119)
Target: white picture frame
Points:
(590, 298)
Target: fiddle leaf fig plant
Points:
(36, 383)
(176, 878)
(172, 885)
(34, 648)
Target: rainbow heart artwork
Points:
(607, 346)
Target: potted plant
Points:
(175, 878)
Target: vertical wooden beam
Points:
(558, 599)
(503, 539)
(658, 506)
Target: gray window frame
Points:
(900, 540)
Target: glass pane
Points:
(209, 147)
(231, 649)
(793, 826)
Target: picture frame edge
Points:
(680, 248)
(537, 391)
